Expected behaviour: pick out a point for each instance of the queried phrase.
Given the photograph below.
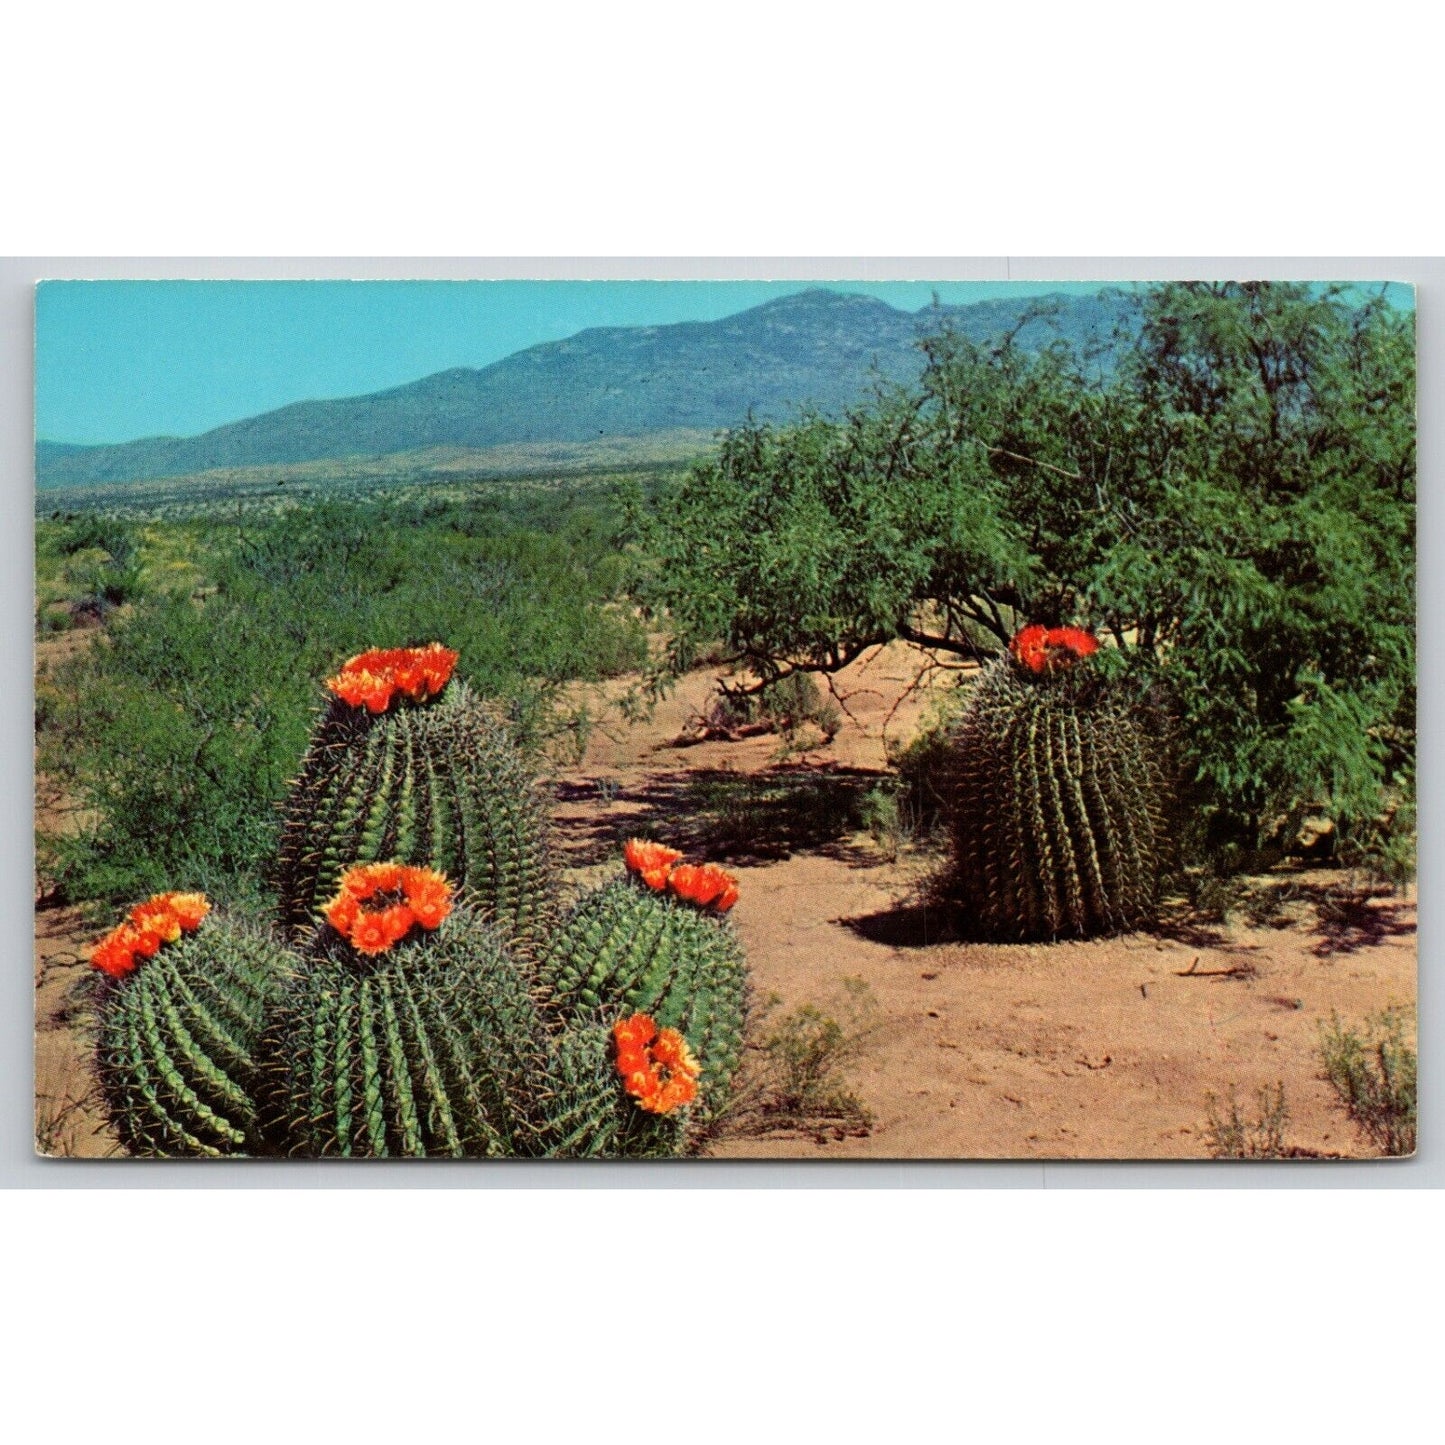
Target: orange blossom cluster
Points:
(378, 903)
(1042, 649)
(661, 868)
(160, 919)
(657, 1067)
(373, 679)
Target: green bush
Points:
(807, 1051)
(1374, 1073)
(1231, 1134)
(179, 729)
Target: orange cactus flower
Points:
(672, 1050)
(369, 934)
(378, 904)
(375, 679)
(1073, 640)
(366, 880)
(680, 1089)
(1028, 647)
(1047, 649)
(144, 942)
(658, 1069)
(341, 912)
(398, 921)
(652, 862)
(113, 956)
(431, 901)
(161, 919)
(635, 1032)
(189, 908)
(704, 884)
(156, 916)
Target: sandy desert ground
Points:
(1108, 1049)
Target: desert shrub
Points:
(881, 815)
(99, 532)
(807, 1051)
(1374, 1073)
(179, 729)
(1229, 1134)
(784, 705)
(84, 567)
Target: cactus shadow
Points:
(1188, 928)
(910, 925)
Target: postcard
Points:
(725, 719)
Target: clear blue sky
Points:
(116, 360)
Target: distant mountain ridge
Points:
(817, 348)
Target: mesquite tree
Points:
(1227, 495)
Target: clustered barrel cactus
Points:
(1060, 796)
(659, 950)
(431, 999)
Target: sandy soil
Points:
(1105, 1049)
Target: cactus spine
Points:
(176, 1043)
(629, 949)
(438, 784)
(1060, 787)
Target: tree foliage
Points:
(1228, 496)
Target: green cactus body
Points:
(437, 1048)
(433, 1048)
(1059, 810)
(587, 1113)
(627, 949)
(438, 784)
(177, 1039)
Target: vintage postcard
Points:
(832, 720)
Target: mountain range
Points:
(815, 348)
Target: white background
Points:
(918, 1299)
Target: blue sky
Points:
(116, 360)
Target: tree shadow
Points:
(1349, 919)
(722, 815)
(1188, 926)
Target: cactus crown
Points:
(439, 786)
(1038, 649)
(661, 869)
(161, 919)
(376, 679)
(177, 1031)
(378, 904)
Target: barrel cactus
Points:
(410, 1031)
(655, 942)
(178, 1017)
(406, 764)
(1060, 786)
(619, 1091)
